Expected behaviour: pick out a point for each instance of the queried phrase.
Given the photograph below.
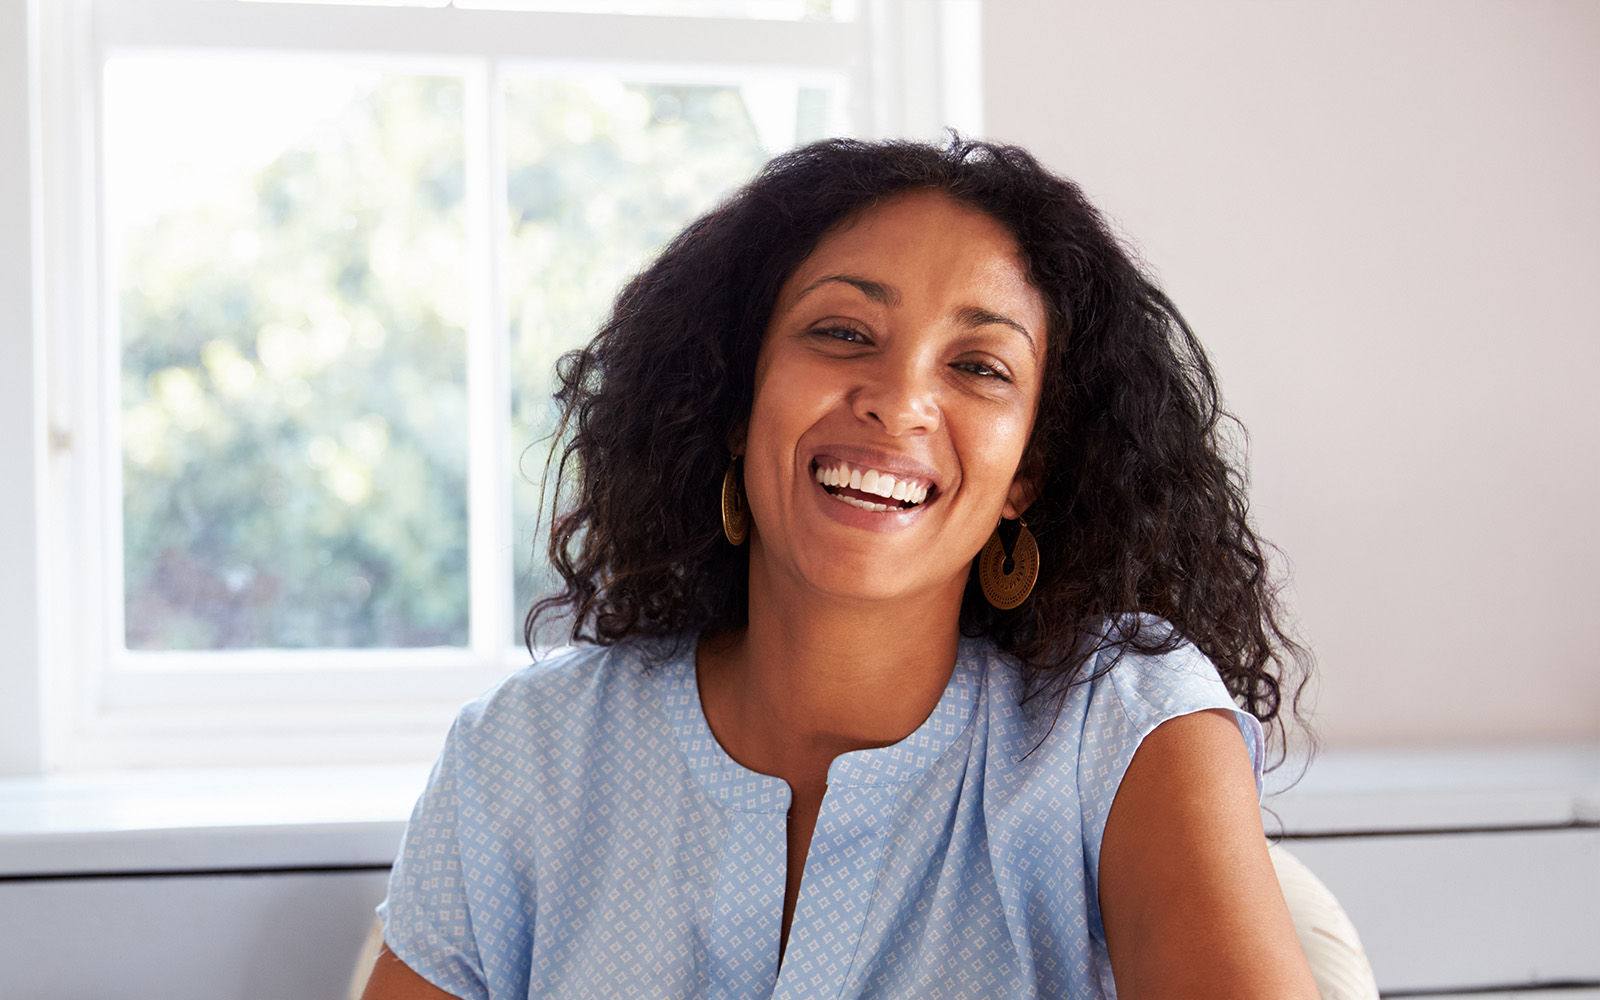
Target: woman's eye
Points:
(844, 333)
(983, 369)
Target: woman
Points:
(927, 646)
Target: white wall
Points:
(1383, 218)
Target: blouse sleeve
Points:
(426, 918)
(1136, 695)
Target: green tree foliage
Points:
(294, 414)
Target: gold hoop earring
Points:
(1002, 587)
(735, 513)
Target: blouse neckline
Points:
(739, 788)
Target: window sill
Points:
(275, 819)
(1394, 791)
(236, 819)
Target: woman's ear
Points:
(736, 438)
(1025, 486)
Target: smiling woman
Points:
(805, 749)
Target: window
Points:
(308, 267)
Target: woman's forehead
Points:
(916, 235)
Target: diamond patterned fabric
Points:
(584, 835)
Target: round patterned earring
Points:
(1008, 579)
(735, 513)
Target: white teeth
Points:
(865, 504)
(871, 481)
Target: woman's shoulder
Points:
(1139, 673)
(1152, 671)
(1140, 660)
(1056, 756)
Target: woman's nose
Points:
(900, 399)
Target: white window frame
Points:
(71, 697)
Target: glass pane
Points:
(289, 252)
(601, 174)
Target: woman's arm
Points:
(392, 979)
(1187, 893)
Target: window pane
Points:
(288, 244)
(601, 174)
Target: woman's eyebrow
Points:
(885, 295)
(876, 291)
(973, 316)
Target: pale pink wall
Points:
(1383, 217)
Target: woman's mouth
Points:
(870, 489)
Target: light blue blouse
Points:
(584, 835)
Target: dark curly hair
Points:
(1140, 507)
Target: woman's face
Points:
(895, 391)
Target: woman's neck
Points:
(810, 678)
